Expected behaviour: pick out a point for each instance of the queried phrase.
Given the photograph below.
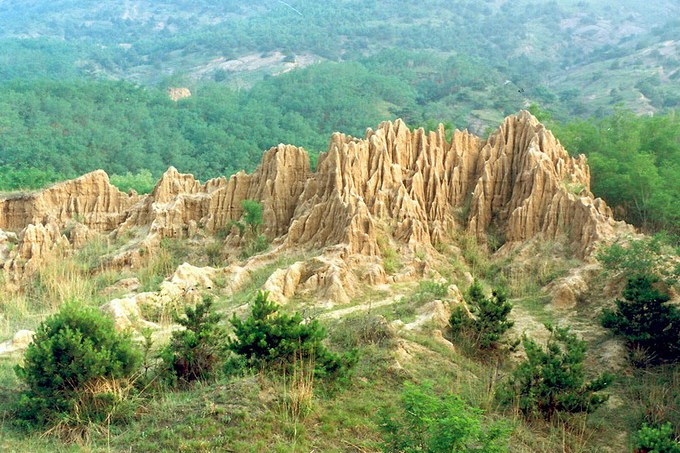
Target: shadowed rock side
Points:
(417, 186)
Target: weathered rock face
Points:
(90, 199)
(180, 204)
(8, 241)
(417, 188)
(528, 184)
(37, 243)
(519, 183)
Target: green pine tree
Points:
(645, 320)
(272, 339)
(195, 352)
(490, 317)
(552, 380)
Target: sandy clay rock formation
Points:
(409, 188)
(18, 343)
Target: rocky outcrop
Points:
(527, 184)
(179, 204)
(37, 244)
(519, 184)
(177, 93)
(329, 278)
(567, 291)
(90, 200)
(18, 343)
(419, 186)
(8, 241)
(398, 186)
(185, 286)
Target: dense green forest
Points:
(635, 164)
(581, 56)
(75, 127)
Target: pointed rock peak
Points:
(399, 123)
(526, 115)
(96, 175)
(173, 183)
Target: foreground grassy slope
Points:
(255, 412)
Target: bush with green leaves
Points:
(428, 291)
(273, 339)
(426, 422)
(73, 352)
(141, 182)
(252, 215)
(652, 255)
(195, 352)
(657, 440)
(490, 317)
(646, 321)
(552, 379)
(249, 228)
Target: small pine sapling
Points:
(272, 339)
(553, 379)
(489, 320)
(645, 320)
(195, 352)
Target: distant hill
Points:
(579, 57)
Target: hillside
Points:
(203, 248)
(378, 243)
(547, 51)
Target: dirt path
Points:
(337, 314)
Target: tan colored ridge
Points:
(416, 187)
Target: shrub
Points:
(428, 423)
(657, 440)
(391, 259)
(252, 215)
(142, 182)
(363, 330)
(428, 291)
(249, 228)
(254, 246)
(268, 338)
(490, 321)
(74, 352)
(644, 257)
(195, 352)
(645, 320)
(553, 380)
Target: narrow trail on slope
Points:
(337, 314)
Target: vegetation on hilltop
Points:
(556, 52)
(635, 164)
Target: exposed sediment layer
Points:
(418, 186)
